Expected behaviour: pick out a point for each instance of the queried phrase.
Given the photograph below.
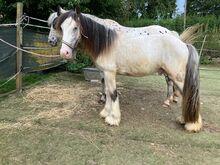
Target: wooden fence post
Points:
(19, 41)
(185, 10)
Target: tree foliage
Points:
(42, 9)
(203, 7)
(116, 9)
(153, 8)
(119, 10)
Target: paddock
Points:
(55, 122)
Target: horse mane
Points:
(95, 37)
(51, 18)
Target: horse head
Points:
(54, 35)
(69, 25)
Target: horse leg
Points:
(169, 91)
(179, 87)
(172, 92)
(106, 111)
(176, 94)
(111, 112)
(103, 95)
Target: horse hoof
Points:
(175, 99)
(166, 104)
(194, 127)
(180, 120)
(101, 101)
(104, 113)
(112, 121)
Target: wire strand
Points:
(11, 78)
(37, 19)
(26, 51)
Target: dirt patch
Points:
(54, 101)
(64, 99)
(60, 100)
(210, 127)
(53, 93)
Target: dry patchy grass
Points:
(57, 122)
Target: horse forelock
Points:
(63, 17)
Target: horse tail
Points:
(191, 100)
(189, 35)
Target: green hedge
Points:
(211, 23)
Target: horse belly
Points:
(136, 67)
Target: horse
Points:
(127, 52)
(54, 36)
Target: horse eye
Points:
(75, 28)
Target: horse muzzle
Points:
(67, 54)
(52, 40)
(68, 51)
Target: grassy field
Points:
(57, 122)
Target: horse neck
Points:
(109, 23)
(96, 36)
(94, 18)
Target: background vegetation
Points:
(120, 10)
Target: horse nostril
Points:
(52, 42)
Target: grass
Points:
(147, 134)
(28, 79)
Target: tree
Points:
(106, 8)
(153, 8)
(203, 7)
(35, 8)
(119, 10)
(41, 8)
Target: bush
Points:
(82, 61)
(205, 60)
(211, 23)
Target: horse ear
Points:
(60, 11)
(52, 11)
(77, 10)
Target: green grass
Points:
(27, 80)
(145, 136)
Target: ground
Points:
(57, 122)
